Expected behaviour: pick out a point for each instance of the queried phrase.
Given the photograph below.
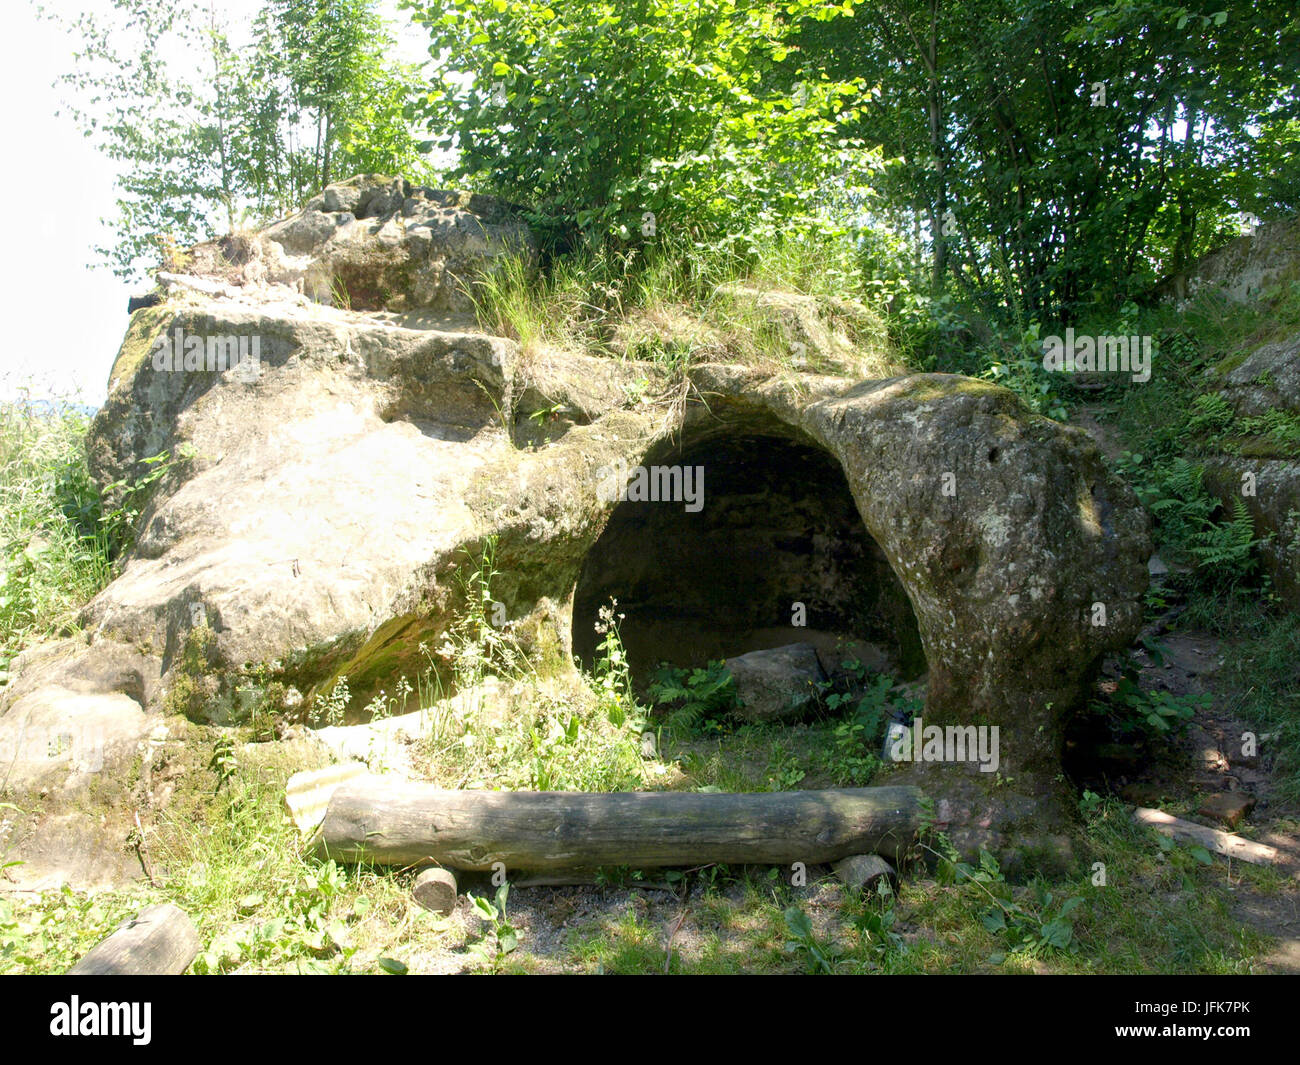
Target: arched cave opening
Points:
(776, 526)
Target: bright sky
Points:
(65, 319)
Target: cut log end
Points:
(436, 890)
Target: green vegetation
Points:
(1020, 140)
(253, 122)
(1170, 427)
(504, 937)
(55, 549)
(677, 305)
(228, 854)
(262, 907)
(1263, 682)
(697, 700)
(59, 534)
(653, 118)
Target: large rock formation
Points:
(1260, 468)
(1245, 267)
(334, 494)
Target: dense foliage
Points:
(626, 121)
(1041, 155)
(1033, 158)
(1078, 151)
(210, 131)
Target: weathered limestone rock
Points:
(868, 873)
(1262, 383)
(1267, 379)
(1258, 470)
(782, 682)
(1244, 267)
(1274, 504)
(77, 746)
(376, 243)
(57, 740)
(1227, 806)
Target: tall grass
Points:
(675, 302)
(506, 719)
(54, 549)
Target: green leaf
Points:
(1070, 905)
(1057, 934)
(798, 922)
(249, 903)
(392, 966)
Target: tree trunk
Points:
(404, 824)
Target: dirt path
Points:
(1208, 760)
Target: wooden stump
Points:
(435, 889)
(160, 940)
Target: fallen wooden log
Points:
(589, 879)
(160, 940)
(1210, 838)
(390, 822)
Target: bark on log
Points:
(403, 823)
(1211, 838)
(435, 889)
(160, 940)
